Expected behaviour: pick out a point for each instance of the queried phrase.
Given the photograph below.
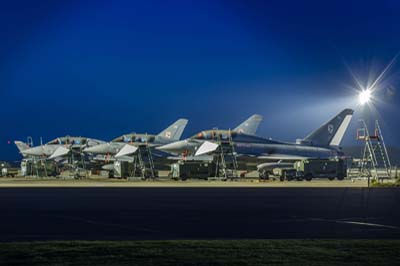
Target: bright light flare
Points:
(364, 96)
(368, 91)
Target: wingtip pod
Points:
(250, 125)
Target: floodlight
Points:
(364, 96)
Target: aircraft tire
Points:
(308, 177)
(263, 175)
(340, 177)
(184, 177)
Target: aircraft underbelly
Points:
(283, 151)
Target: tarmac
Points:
(144, 213)
(106, 182)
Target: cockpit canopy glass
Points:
(137, 138)
(67, 141)
(214, 135)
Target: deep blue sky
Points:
(103, 68)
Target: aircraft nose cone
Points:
(36, 151)
(99, 149)
(176, 147)
(108, 167)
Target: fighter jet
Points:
(321, 143)
(188, 148)
(128, 144)
(56, 148)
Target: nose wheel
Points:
(263, 175)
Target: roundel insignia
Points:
(330, 128)
(168, 134)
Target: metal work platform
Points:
(143, 162)
(225, 157)
(375, 161)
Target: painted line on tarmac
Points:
(357, 223)
(370, 224)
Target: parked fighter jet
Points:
(189, 146)
(56, 148)
(128, 144)
(321, 143)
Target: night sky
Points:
(104, 68)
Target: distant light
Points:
(364, 96)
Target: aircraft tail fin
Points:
(174, 131)
(21, 145)
(250, 125)
(331, 133)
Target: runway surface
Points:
(41, 183)
(197, 213)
